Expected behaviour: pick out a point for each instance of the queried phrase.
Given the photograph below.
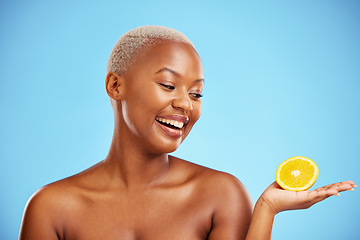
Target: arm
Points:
(261, 222)
(275, 199)
(233, 210)
(37, 221)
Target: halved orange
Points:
(297, 173)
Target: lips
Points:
(172, 125)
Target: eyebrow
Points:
(165, 69)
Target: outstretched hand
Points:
(279, 199)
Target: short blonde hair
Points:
(132, 44)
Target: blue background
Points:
(282, 79)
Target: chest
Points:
(171, 214)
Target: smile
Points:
(172, 125)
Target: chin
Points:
(166, 148)
(161, 146)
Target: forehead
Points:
(180, 57)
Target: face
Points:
(163, 96)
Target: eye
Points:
(169, 87)
(196, 95)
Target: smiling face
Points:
(162, 93)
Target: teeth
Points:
(172, 122)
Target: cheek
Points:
(144, 105)
(153, 97)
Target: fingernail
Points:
(352, 189)
(338, 194)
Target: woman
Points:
(154, 81)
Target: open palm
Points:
(279, 199)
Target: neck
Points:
(130, 164)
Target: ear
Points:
(115, 86)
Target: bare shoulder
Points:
(231, 202)
(228, 188)
(64, 192)
(43, 214)
(49, 201)
(54, 193)
(48, 208)
(220, 185)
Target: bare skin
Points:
(139, 191)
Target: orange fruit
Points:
(297, 173)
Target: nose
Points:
(183, 101)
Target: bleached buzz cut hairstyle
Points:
(133, 43)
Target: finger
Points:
(347, 182)
(333, 189)
(327, 192)
(321, 194)
(324, 192)
(324, 189)
(353, 185)
(350, 182)
(343, 186)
